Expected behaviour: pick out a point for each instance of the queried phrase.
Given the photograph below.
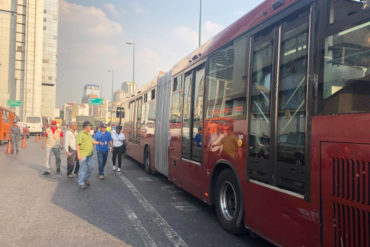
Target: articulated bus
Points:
(269, 121)
(6, 121)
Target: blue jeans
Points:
(86, 167)
(102, 160)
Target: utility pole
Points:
(200, 23)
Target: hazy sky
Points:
(93, 36)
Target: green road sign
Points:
(95, 101)
(14, 103)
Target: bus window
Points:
(5, 116)
(186, 135)
(292, 104)
(175, 116)
(260, 167)
(346, 81)
(226, 81)
(343, 9)
(197, 117)
(138, 118)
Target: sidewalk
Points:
(29, 215)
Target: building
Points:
(91, 89)
(129, 88)
(22, 53)
(49, 60)
(118, 96)
(68, 112)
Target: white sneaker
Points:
(114, 168)
(119, 169)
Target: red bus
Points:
(268, 121)
(6, 121)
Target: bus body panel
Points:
(341, 157)
(6, 121)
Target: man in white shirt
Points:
(70, 148)
(119, 147)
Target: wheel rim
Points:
(228, 200)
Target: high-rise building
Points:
(129, 88)
(92, 89)
(8, 25)
(22, 51)
(30, 93)
(119, 95)
(49, 60)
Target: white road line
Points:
(148, 241)
(171, 234)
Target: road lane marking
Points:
(148, 241)
(171, 234)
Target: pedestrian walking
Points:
(71, 151)
(15, 135)
(84, 147)
(53, 138)
(119, 147)
(105, 138)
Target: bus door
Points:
(174, 135)
(191, 164)
(277, 159)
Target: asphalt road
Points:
(130, 208)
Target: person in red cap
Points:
(53, 138)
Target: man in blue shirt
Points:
(104, 137)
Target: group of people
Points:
(79, 149)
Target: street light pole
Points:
(111, 118)
(200, 23)
(133, 60)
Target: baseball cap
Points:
(103, 125)
(53, 122)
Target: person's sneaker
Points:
(46, 173)
(114, 168)
(83, 187)
(87, 182)
(101, 177)
(70, 176)
(119, 169)
(58, 170)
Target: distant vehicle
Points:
(24, 128)
(6, 120)
(35, 124)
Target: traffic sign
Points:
(14, 103)
(95, 101)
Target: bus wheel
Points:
(228, 202)
(147, 162)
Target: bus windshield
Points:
(33, 120)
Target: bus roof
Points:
(258, 15)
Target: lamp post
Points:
(112, 71)
(133, 60)
(200, 22)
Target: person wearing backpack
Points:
(119, 147)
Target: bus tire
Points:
(228, 202)
(147, 161)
